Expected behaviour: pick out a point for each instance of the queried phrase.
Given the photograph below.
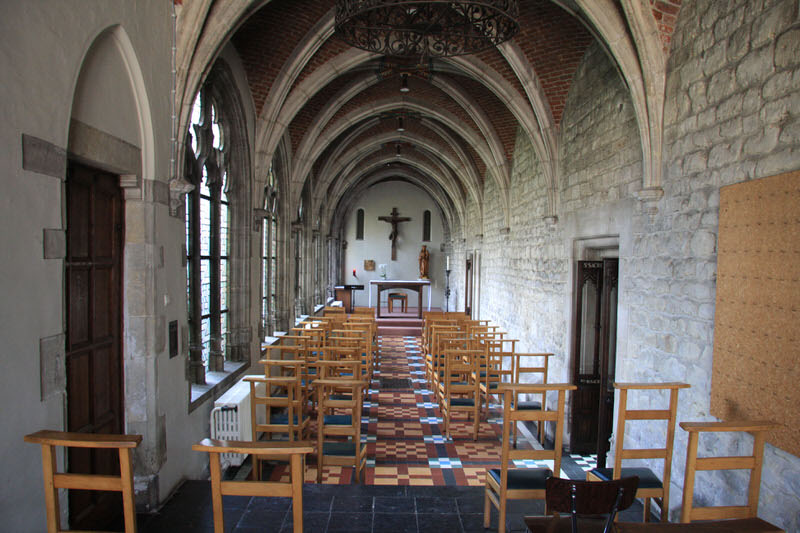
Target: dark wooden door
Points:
(93, 355)
(594, 346)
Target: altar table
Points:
(414, 285)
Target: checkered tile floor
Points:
(404, 434)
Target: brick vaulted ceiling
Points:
(328, 100)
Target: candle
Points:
(447, 266)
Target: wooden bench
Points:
(53, 480)
(295, 452)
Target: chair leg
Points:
(487, 509)
(646, 509)
(216, 493)
(297, 492)
(501, 519)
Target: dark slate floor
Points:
(350, 508)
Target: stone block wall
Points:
(732, 112)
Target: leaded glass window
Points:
(207, 237)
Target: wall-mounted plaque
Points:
(369, 265)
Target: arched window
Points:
(269, 247)
(360, 225)
(426, 226)
(299, 263)
(207, 237)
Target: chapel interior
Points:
(439, 274)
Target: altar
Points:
(414, 285)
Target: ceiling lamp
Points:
(404, 83)
(400, 125)
(432, 28)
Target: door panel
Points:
(93, 354)
(594, 358)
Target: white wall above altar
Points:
(411, 202)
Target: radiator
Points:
(230, 420)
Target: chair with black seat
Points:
(459, 388)
(524, 374)
(650, 486)
(394, 298)
(345, 447)
(506, 483)
(592, 505)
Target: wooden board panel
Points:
(756, 369)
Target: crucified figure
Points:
(394, 220)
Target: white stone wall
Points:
(732, 114)
(411, 202)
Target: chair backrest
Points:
(752, 462)
(511, 416)
(54, 480)
(669, 414)
(590, 497)
(294, 452)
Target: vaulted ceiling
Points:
(333, 110)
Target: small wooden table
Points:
(414, 285)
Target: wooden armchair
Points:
(459, 389)
(53, 480)
(293, 452)
(283, 410)
(523, 373)
(507, 483)
(650, 486)
(752, 462)
(345, 448)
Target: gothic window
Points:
(269, 249)
(360, 225)
(207, 237)
(299, 266)
(426, 226)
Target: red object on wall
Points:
(354, 272)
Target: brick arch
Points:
(445, 169)
(426, 132)
(456, 205)
(342, 204)
(332, 133)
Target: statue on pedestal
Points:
(424, 258)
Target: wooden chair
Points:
(505, 483)
(294, 452)
(537, 372)
(492, 371)
(752, 462)
(460, 388)
(283, 413)
(54, 480)
(585, 501)
(650, 486)
(395, 297)
(350, 451)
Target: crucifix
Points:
(394, 220)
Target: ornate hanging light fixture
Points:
(426, 29)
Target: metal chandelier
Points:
(426, 29)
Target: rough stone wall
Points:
(524, 274)
(732, 114)
(526, 269)
(601, 154)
